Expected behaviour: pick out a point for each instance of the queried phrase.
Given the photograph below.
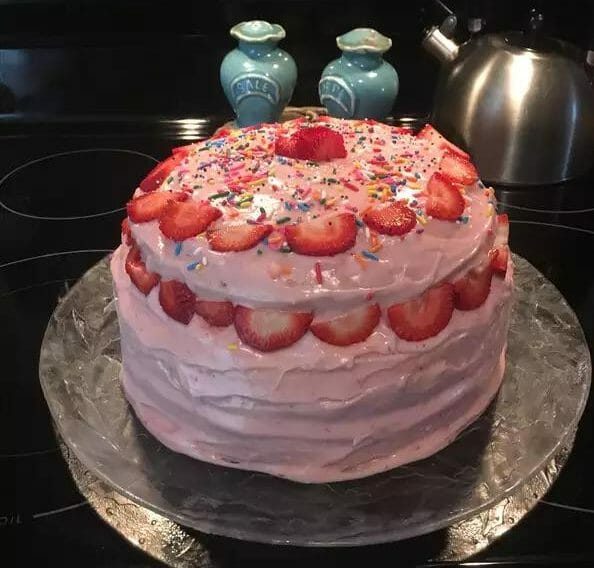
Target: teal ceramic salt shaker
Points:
(360, 84)
(258, 77)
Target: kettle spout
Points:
(440, 46)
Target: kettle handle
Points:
(448, 26)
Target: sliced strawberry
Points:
(177, 300)
(500, 252)
(285, 146)
(353, 327)
(499, 259)
(144, 280)
(182, 152)
(150, 207)
(224, 237)
(322, 143)
(220, 133)
(425, 316)
(433, 136)
(269, 330)
(317, 143)
(218, 314)
(458, 169)
(473, 288)
(395, 219)
(324, 236)
(159, 174)
(444, 201)
(502, 231)
(126, 232)
(180, 221)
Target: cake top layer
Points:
(318, 215)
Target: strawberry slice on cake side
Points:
(500, 259)
(500, 253)
(472, 290)
(215, 313)
(353, 327)
(143, 279)
(423, 317)
(177, 300)
(270, 330)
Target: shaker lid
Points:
(364, 40)
(257, 31)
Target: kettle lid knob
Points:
(448, 26)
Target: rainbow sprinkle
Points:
(318, 270)
(369, 255)
(196, 265)
(360, 260)
(219, 195)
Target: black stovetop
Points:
(62, 186)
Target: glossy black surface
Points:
(57, 219)
(162, 57)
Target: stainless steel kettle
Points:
(523, 107)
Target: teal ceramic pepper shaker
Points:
(360, 84)
(258, 78)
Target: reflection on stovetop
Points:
(62, 188)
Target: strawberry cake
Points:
(318, 299)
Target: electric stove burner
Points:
(60, 198)
(78, 184)
(29, 289)
(553, 226)
(552, 211)
(560, 199)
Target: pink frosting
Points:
(313, 412)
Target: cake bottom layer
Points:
(311, 413)
(180, 430)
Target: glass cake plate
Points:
(535, 414)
